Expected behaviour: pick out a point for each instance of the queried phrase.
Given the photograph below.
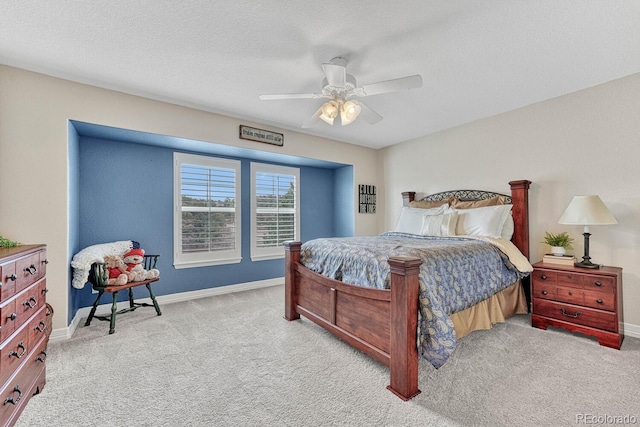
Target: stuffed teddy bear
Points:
(117, 270)
(134, 269)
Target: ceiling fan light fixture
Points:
(329, 111)
(349, 112)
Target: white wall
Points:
(34, 110)
(587, 142)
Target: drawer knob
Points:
(40, 358)
(570, 294)
(15, 353)
(13, 277)
(45, 262)
(12, 316)
(543, 277)
(11, 400)
(599, 301)
(545, 293)
(598, 283)
(570, 315)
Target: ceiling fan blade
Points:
(368, 114)
(291, 96)
(403, 83)
(336, 74)
(311, 122)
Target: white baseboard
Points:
(62, 334)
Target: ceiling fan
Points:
(340, 87)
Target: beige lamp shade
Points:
(587, 210)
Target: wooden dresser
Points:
(582, 300)
(23, 340)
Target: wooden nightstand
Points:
(582, 300)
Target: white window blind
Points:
(275, 207)
(207, 219)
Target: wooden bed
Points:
(382, 322)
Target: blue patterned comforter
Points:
(456, 273)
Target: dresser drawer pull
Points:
(28, 302)
(40, 358)
(41, 327)
(543, 277)
(13, 277)
(45, 262)
(15, 353)
(598, 283)
(599, 301)
(570, 315)
(16, 389)
(31, 269)
(12, 317)
(545, 293)
(570, 294)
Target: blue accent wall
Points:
(344, 201)
(74, 208)
(125, 192)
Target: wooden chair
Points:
(98, 278)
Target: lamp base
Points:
(586, 264)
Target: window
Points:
(206, 211)
(275, 203)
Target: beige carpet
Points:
(232, 360)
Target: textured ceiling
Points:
(476, 58)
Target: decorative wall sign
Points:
(367, 199)
(260, 135)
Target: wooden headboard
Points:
(519, 198)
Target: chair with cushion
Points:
(98, 277)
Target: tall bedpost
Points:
(291, 258)
(408, 197)
(403, 364)
(520, 211)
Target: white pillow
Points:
(411, 219)
(443, 224)
(507, 228)
(486, 221)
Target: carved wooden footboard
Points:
(381, 323)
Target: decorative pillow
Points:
(485, 221)
(428, 204)
(470, 204)
(443, 224)
(411, 219)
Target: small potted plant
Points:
(559, 242)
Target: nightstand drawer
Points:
(543, 290)
(601, 300)
(600, 283)
(542, 276)
(570, 279)
(570, 295)
(575, 314)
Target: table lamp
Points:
(586, 211)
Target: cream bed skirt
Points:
(496, 309)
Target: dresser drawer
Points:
(28, 271)
(575, 314)
(37, 327)
(570, 295)
(13, 352)
(8, 280)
